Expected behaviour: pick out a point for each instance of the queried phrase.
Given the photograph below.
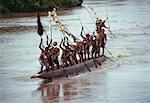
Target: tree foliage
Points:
(34, 5)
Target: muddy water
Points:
(125, 80)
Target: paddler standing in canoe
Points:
(94, 46)
(73, 51)
(43, 57)
(103, 40)
(66, 54)
(101, 36)
(55, 53)
(78, 46)
(86, 44)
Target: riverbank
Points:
(25, 14)
(29, 6)
(60, 11)
(9, 23)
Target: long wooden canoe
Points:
(76, 69)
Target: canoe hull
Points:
(76, 69)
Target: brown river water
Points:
(126, 79)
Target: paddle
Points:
(87, 67)
(110, 54)
(76, 69)
(40, 27)
(65, 72)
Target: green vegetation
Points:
(34, 5)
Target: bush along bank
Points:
(34, 5)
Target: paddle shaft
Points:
(110, 53)
(87, 67)
(65, 72)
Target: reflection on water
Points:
(58, 92)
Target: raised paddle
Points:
(40, 27)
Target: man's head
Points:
(87, 35)
(98, 20)
(103, 30)
(55, 43)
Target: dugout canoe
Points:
(76, 69)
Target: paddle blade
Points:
(40, 27)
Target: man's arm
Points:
(64, 41)
(47, 40)
(103, 24)
(49, 45)
(105, 38)
(67, 41)
(82, 33)
(67, 33)
(40, 45)
(61, 44)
